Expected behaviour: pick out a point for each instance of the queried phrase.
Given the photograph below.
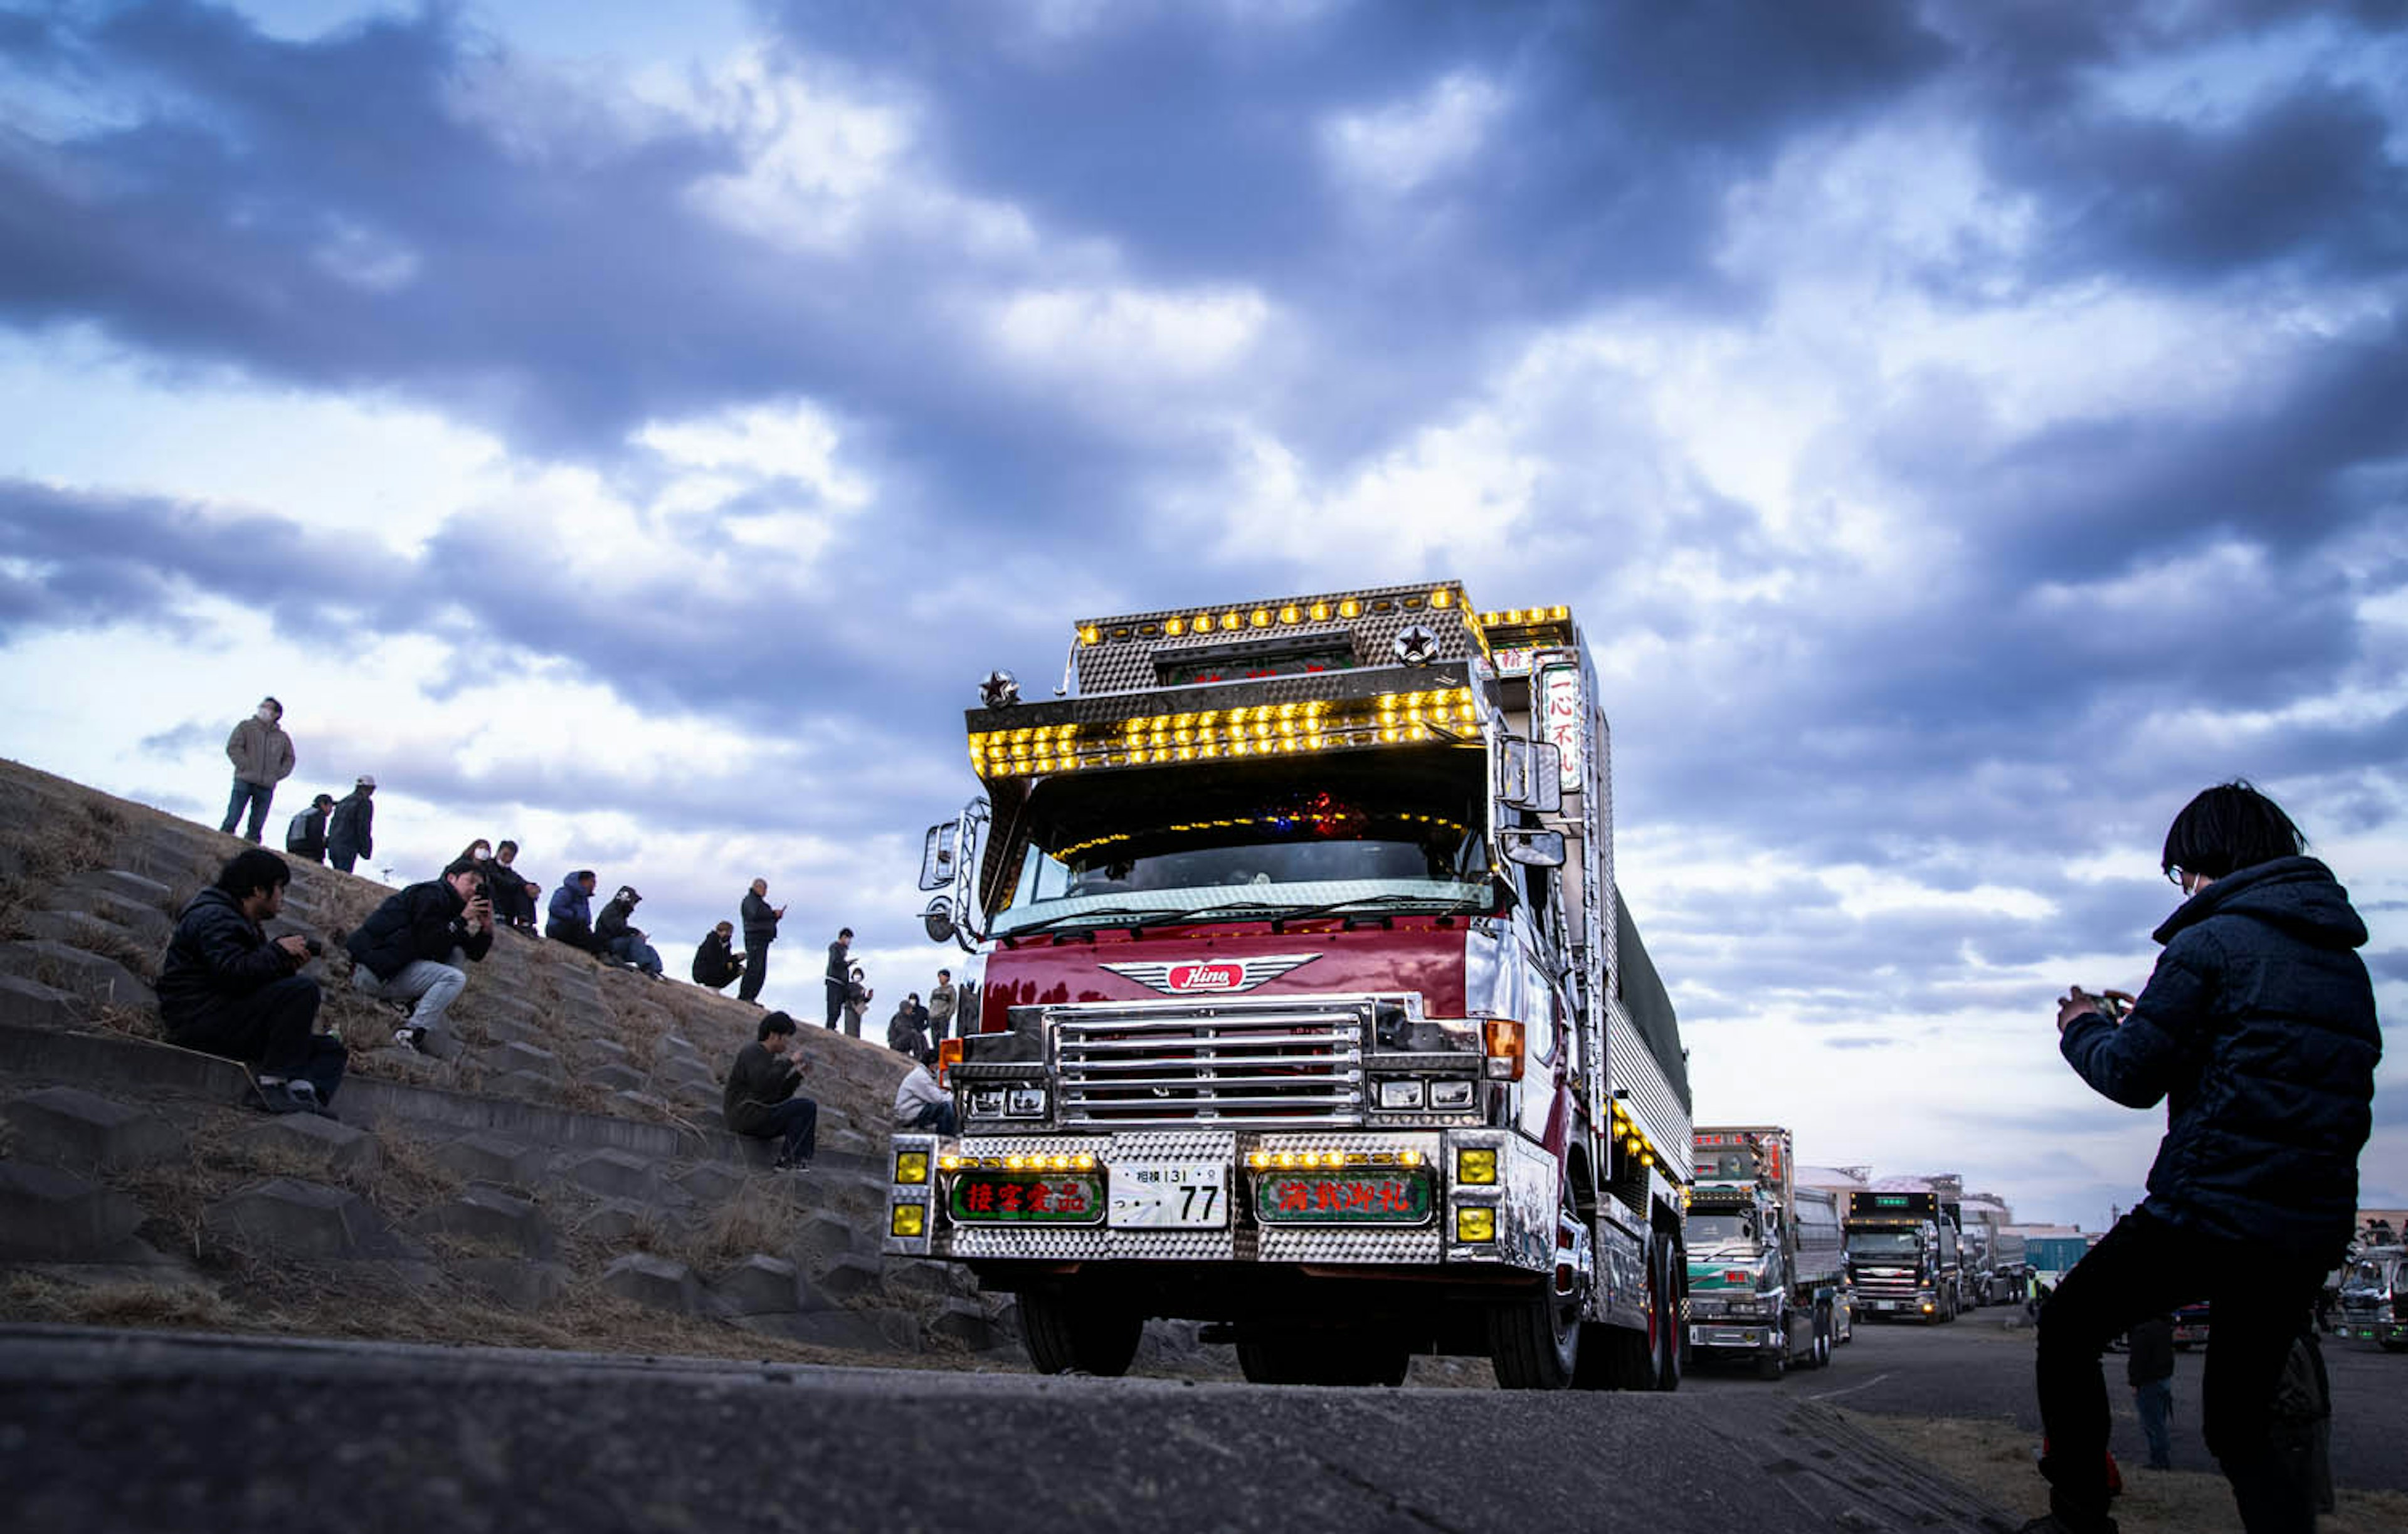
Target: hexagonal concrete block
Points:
(506, 1029)
(849, 1275)
(613, 1220)
(295, 1218)
(519, 1284)
(523, 1087)
(150, 926)
(930, 1278)
(710, 1181)
(486, 1213)
(127, 885)
(323, 1143)
(825, 1237)
(76, 929)
(30, 1003)
(615, 1173)
(534, 1059)
(615, 1077)
(596, 1050)
(678, 1043)
(654, 1282)
(964, 1321)
(760, 1285)
(485, 1157)
(91, 975)
(640, 1105)
(49, 1215)
(67, 1127)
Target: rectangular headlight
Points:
(1026, 1102)
(1475, 1225)
(912, 1165)
(987, 1103)
(1449, 1094)
(1400, 1094)
(909, 1220)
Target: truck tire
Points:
(1671, 1329)
(1824, 1326)
(1772, 1365)
(1535, 1342)
(1075, 1334)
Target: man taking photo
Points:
(2258, 1030)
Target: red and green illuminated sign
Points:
(1342, 1198)
(1026, 1198)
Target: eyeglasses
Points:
(2174, 877)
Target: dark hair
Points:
(468, 853)
(845, 931)
(2229, 828)
(458, 866)
(582, 875)
(777, 1022)
(253, 869)
(505, 845)
(321, 799)
(944, 975)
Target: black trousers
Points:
(798, 1118)
(272, 1028)
(2263, 1299)
(837, 992)
(757, 970)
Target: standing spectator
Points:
(839, 977)
(571, 911)
(856, 1002)
(2150, 1370)
(262, 754)
(225, 989)
(350, 829)
(622, 941)
(941, 997)
(2257, 1028)
(760, 1100)
(715, 963)
(923, 1105)
(907, 1031)
(761, 921)
(305, 837)
(412, 947)
(513, 893)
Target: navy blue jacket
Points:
(352, 826)
(217, 954)
(2257, 1028)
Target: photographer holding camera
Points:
(413, 947)
(2257, 1028)
(227, 987)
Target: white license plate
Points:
(1169, 1196)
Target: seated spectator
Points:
(305, 836)
(716, 964)
(760, 1100)
(412, 947)
(923, 1105)
(513, 893)
(907, 1031)
(622, 942)
(225, 989)
(856, 1002)
(572, 911)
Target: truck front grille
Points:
(1888, 1284)
(1266, 1063)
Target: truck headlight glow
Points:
(1400, 1094)
(912, 1165)
(1475, 1225)
(909, 1220)
(1475, 1166)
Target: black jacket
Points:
(2257, 1028)
(423, 921)
(612, 922)
(2152, 1358)
(305, 837)
(839, 969)
(760, 920)
(907, 1031)
(714, 964)
(759, 1081)
(507, 888)
(217, 954)
(352, 826)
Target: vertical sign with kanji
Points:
(1559, 719)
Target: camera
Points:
(316, 948)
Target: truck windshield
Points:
(1393, 830)
(1707, 1231)
(1882, 1244)
(2367, 1278)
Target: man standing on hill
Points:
(2257, 1030)
(350, 831)
(412, 946)
(941, 997)
(262, 754)
(761, 921)
(840, 977)
(225, 989)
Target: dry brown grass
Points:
(59, 837)
(1993, 1459)
(28, 1297)
(760, 1216)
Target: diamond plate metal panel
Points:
(1305, 1245)
(1127, 664)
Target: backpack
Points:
(297, 834)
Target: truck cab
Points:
(2373, 1300)
(1902, 1258)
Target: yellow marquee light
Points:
(1321, 612)
(1260, 617)
(1291, 613)
(1232, 622)
(1349, 608)
(1173, 627)
(1091, 635)
(1203, 622)
(1441, 598)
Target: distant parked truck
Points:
(1766, 1257)
(2010, 1267)
(2373, 1302)
(1902, 1256)
(2051, 1258)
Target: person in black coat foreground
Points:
(226, 989)
(414, 947)
(2258, 1030)
(760, 1100)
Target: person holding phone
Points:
(414, 950)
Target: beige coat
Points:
(261, 753)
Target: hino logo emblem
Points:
(1209, 976)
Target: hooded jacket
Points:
(218, 955)
(570, 914)
(306, 835)
(260, 752)
(352, 826)
(423, 921)
(614, 921)
(2257, 1028)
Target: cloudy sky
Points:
(1964, 431)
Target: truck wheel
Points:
(1067, 1334)
(1535, 1342)
(1823, 1337)
(1671, 1333)
(1772, 1365)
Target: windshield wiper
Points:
(1108, 916)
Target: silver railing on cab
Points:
(949, 862)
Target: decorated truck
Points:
(1766, 1264)
(1307, 1006)
(1902, 1256)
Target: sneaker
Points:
(408, 1038)
(2052, 1524)
(279, 1098)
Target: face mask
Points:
(480, 854)
(267, 715)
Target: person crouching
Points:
(413, 949)
(225, 988)
(760, 1101)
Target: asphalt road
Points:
(116, 1432)
(1977, 1366)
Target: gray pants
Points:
(433, 986)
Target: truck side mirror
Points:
(1530, 776)
(937, 857)
(939, 919)
(1533, 848)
